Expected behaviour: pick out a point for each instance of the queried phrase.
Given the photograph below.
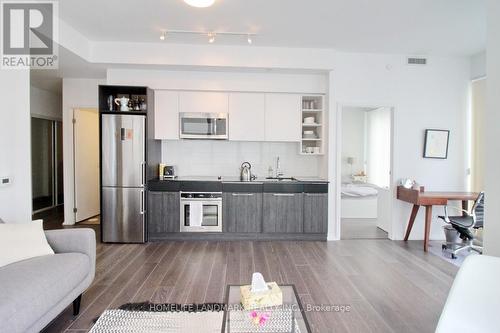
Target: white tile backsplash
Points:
(224, 158)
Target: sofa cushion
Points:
(29, 288)
(20, 241)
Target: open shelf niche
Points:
(312, 142)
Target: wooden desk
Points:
(429, 199)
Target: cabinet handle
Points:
(243, 194)
(142, 203)
(284, 194)
(314, 194)
(143, 171)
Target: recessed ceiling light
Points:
(163, 35)
(200, 3)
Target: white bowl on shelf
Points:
(309, 120)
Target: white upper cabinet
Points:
(200, 101)
(283, 117)
(166, 115)
(247, 115)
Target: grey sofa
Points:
(35, 291)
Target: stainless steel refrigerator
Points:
(123, 178)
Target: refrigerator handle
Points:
(143, 171)
(142, 202)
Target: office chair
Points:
(465, 225)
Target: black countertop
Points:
(227, 184)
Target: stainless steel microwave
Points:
(194, 125)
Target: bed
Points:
(359, 200)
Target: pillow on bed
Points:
(21, 241)
(1, 221)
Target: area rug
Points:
(190, 318)
(156, 318)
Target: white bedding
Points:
(358, 190)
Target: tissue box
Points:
(271, 297)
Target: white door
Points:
(202, 101)
(247, 116)
(283, 117)
(166, 115)
(86, 162)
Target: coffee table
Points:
(288, 318)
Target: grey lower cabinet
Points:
(242, 212)
(315, 212)
(163, 212)
(283, 212)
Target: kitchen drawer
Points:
(283, 187)
(243, 187)
(316, 188)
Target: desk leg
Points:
(413, 215)
(428, 221)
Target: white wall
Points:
(45, 104)
(220, 80)
(15, 199)
(353, 141)
(77, 93)
(224, 158)
(478, 65)
(432, 96)
(492, 120)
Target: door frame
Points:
(338, 163)
(54, 185)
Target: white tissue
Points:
(258, 283)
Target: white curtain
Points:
(378, 146)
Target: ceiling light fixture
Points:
(200, 3)
(211, 37)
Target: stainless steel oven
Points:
(201, 212)
(203, 125)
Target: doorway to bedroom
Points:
(365, 195)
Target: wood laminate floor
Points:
(361, 229)
(390, 286)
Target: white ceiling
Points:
(431, 27)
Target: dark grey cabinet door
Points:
(163, 212)
(171, 211)
(315, 213)
(283, 212)
(155, 212)
(242, 212)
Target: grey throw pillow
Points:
(1, 221)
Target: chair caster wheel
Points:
(453, 256)
(443, 247)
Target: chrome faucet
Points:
(279, 173)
